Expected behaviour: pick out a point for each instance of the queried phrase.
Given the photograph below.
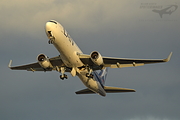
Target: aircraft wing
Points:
(123, 62)
(55, 61)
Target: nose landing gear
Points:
(51, 40)
(51, 37)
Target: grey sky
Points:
(114, 28)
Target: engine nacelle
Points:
(96, 58)
(44, 61)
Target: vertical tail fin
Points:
(103, 75)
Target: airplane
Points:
(169, 10)
(90, 68)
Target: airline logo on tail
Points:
(103, 75)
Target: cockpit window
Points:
(53, 21)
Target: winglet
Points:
(10, 62)
(168, 58)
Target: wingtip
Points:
(168, 58)
(10, 62)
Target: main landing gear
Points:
(62, 70)
(89, 75)
(63, 76)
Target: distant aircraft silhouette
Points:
(169, 10)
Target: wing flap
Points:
(123, 65)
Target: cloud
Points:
(22, 15)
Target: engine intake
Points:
(96, 58)
(44, 61)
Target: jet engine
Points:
(44, 61)
(96, 58)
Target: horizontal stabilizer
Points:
(107, 89)
(117, 90)
(85, 91)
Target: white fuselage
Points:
(64, 44)
(69, 51)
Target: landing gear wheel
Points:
(63, 76)
(91, 76)
(87, 74)
(50, 41)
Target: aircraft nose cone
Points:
(48, 25)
